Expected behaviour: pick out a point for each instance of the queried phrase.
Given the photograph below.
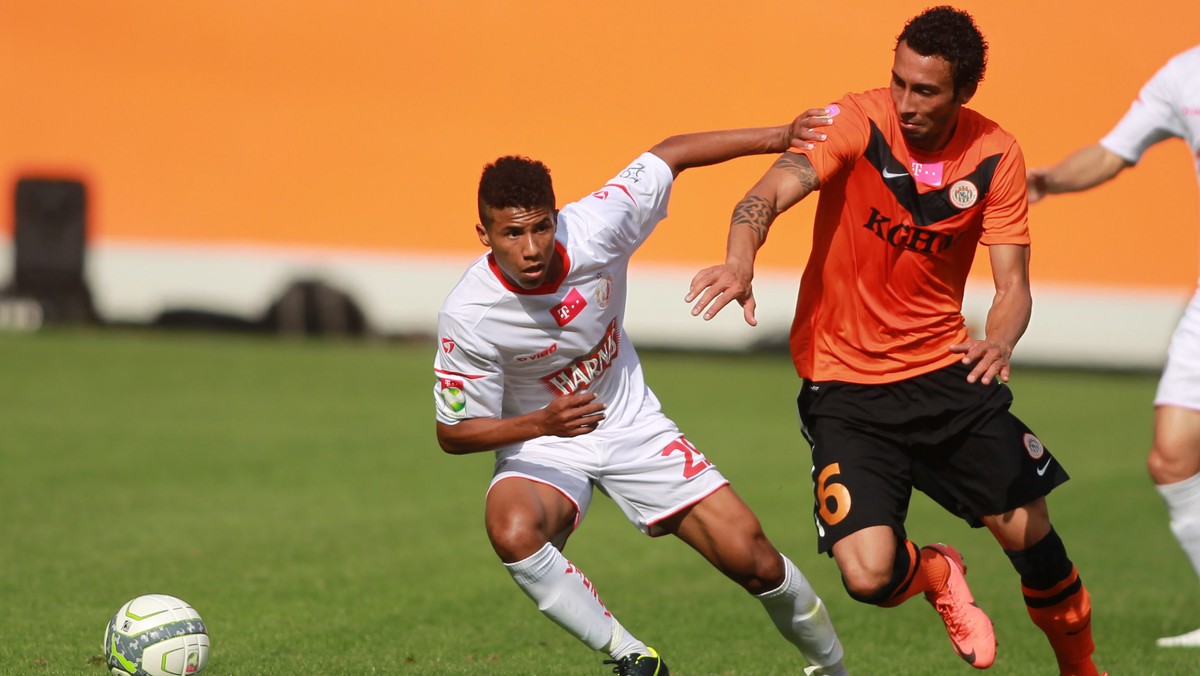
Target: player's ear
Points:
(483, 235)
(966, 94)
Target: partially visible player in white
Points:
(533, 362)
(1168, 107)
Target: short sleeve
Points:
(468, 380)
(844, 142)
(1151, 118)
(622, 213)
(1006, 211)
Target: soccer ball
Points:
(156, 635)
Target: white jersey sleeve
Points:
(470, 381)
(617, 217)
(1159, 111)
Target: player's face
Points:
(522, 242)
(923, 92)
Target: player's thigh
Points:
(522, 515)
(653, 474)
(860, 479)
(997, 466)
(725, 531)
(1180, 382)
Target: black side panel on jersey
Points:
(931, 207)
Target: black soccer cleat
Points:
(637, 664)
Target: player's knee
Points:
(868, 585)
(514, 535)
(1168, 463)
(755, 565)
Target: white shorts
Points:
(1180, 383)
(649, 470)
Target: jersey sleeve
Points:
(1151, 118)
(468, 380)
(1006, 210)
(621, 214)
(844, 142)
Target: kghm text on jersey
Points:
(907, 236)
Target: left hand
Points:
(990, 358)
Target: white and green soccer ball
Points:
(156, 635)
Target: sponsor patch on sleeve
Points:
(452, 398)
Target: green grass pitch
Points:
(293, 492)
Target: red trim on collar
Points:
(549, 287)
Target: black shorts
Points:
(955, 441)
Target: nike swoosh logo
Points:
(1042, 470)
(968, 657)
(1080, 630)
(890, 174)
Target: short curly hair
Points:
(950, 33)
(514, 181)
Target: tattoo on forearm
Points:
(756, 213)
(801, 168)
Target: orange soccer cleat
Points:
(969, 628)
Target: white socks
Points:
(565, 595)
(1183, 504)
(800, 616)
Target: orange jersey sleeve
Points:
(894, 238)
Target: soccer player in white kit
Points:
(533, 363)
(1167, 107)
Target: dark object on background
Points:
(49, 244)
(314, 308)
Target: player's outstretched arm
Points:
(568, 416)
(701, 149)
(1083, 169)
(1006, 320)
(789, 180)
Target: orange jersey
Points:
(895, 235)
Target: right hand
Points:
(718, 285)
(802, 131)
(572, 415)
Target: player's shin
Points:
(564, 594)
(1183, 505)
(1058, 603)
(801, 617)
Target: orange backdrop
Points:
(363, 123)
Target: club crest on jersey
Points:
(963, 194)
(1034, 447)
(447, 345)
(452, 398)
(569, 308)
(603, 290)
(584, 371)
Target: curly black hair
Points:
(950, 33)
(514, 181)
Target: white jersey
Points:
(506, 351)
(1167, 107)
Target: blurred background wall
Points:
(231, 147)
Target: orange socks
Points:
(927, 572)
(1064, 613)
